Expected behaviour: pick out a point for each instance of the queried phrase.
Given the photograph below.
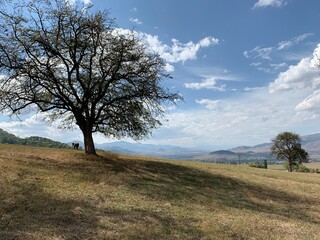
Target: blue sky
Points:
(246, 69)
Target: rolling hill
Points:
(60, 194)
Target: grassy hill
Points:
(59, 194)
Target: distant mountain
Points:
(251, 153)
(223, 152)
(142, 148)
(260, 148)
(311, 143)
(9, 138)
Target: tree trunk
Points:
(289, 165)
(89, 144)
(88, 139)
(86, 128)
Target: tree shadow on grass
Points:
(176, 183)
(34, 209)
(170, 182)
(27, 211)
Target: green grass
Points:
(59, 194)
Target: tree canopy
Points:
(75, 65)
(287, 146)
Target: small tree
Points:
(77, 67)
(287, 146)
(265, 164)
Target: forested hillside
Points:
(9, 138)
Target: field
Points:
(60, 194)
(313, 165)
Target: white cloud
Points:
(87, 2)
(209, 83)
(177, 52)
(266, 3)
(310, 103)
(250, 118)
(250, 89)
(168, 67)
(135, 20)
(210, 104)
(266, 52)
(72, 2)
(255, 64)
(294, 41)
(303, 77)
(276, 66)
(257, 52)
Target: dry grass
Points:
(312, 165)
(59, 194)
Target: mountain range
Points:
(311, 143)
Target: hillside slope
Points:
(59, 194)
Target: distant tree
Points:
(79, 68)
(287, 146)
(265, 164)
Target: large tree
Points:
(75, 65)
(287, 146)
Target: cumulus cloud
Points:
(135, 21)
(310, 103)
(271, 3)
(209, 83)
(177, 51)
(302, 75)
(249, 118)
(168, 68)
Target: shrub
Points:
(258, 165)
(297, 167)
(302, 168)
